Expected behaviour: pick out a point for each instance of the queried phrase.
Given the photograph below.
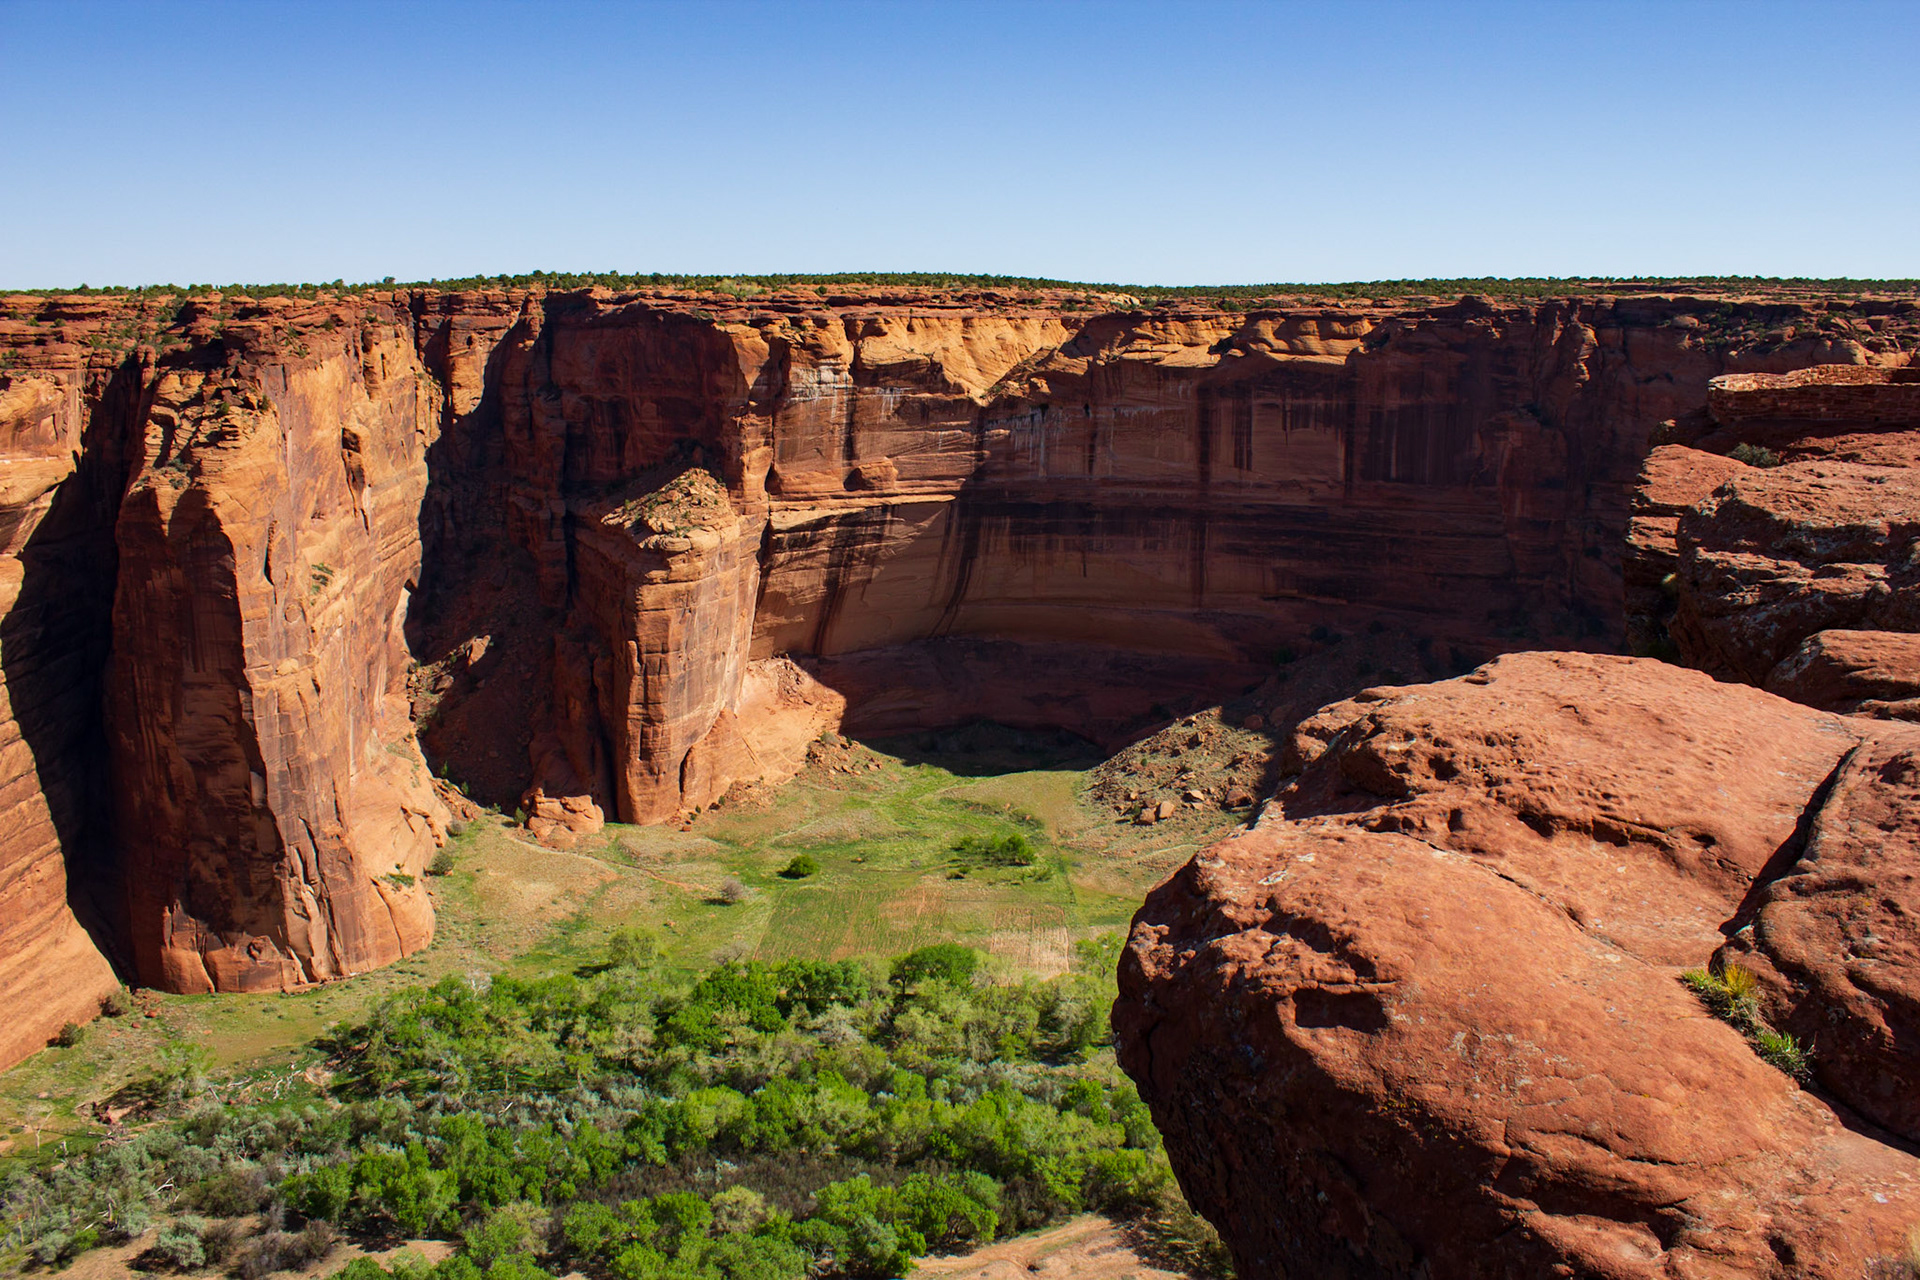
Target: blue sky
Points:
(1166, 143)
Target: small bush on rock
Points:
(1754, 455)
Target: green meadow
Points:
(880, 825)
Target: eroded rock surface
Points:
(275, 814)
(1777, 547)
(1871, 672)
(1776, 554)
(51, 971)
(611, 554)
(1426, 1018)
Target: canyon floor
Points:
(881, 819)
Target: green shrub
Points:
(1754, 455)
(507, 1232)
(178, 1245)
(69, 1035)
(442, 863)
(986, 851)
(942, 962)
(236, 1190)
(800, 867)
(477, 1111)
(738, 1209)
(631, 949)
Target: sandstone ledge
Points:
(1426, 1020)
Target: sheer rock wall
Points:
(609, 555)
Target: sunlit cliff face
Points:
(610, 555)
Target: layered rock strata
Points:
(1777, 548)
(611, 554)
(950, 506)
(1427, 1019)
(274, 811)
(51, 971)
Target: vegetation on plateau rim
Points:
(752, 285)
(759, 1122)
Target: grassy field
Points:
(880, 820)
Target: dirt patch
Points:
(1086, 1248)
(115, 1262)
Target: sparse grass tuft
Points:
(1740, 983)
(1733, 994)
(1782, 1051)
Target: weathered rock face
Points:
(928, 495)
(1789, 564)
(1775, 555)
(1836, 940)
(261, 747)
(1872, 672)
(612, 554)
(1426, 1018)
(50, 969)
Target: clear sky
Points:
(1181, 142)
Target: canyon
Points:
(287, 582)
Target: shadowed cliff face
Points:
(59, 454)
(571, 538)
(268, 549)
(1171, 497)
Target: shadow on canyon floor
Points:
(984, 748)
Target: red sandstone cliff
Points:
(1141, 502)
(601, 525)
(1427, 1018)
(50, 970)
(273, 810)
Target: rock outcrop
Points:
(261, 747)
(1427, 1019)
(960, 505)
(1777, 548)
(611, 554)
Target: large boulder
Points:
(1835, 941)
(1427, 1019)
